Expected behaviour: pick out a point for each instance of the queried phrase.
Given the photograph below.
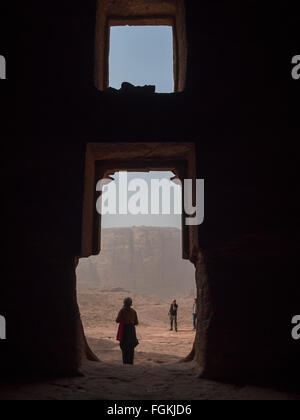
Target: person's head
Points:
(127, 302)
(195, 300)
(174, 301)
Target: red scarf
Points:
(120, 330)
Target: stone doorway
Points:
(103, 160)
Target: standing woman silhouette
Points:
(127, 318)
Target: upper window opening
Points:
(142, 55)
(142, 42)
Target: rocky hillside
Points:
(140, 259)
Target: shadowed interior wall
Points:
(233, 108)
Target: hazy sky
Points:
(142, 55)
(172, 220)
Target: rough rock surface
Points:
(104, 381)
(142, 259)
(237, 118)
(157, 365)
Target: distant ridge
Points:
(142, 259)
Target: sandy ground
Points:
(158, 373)
(157, 345)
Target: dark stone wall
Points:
(234, 108)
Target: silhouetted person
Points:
(173, 315)
(127, 318)
(195, 313)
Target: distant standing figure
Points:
(173, 315)
(195, 314)
(127, 318)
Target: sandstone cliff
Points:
(140, 259)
